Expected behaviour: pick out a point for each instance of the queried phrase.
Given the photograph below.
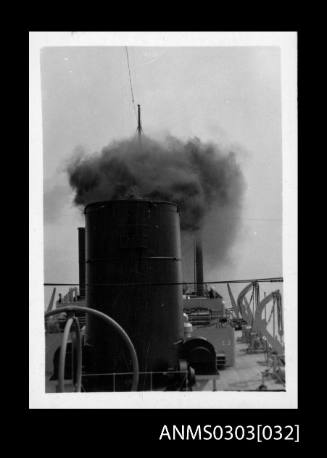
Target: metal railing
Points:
(116, 375)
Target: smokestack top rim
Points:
(107, 203)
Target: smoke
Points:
(199, 177)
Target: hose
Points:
(78, 387)
(62, 357)
(108, 320)
(63, 352)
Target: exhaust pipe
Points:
(199, 266)
(81, 261)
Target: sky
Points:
(229, 95)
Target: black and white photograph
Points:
(163, 224)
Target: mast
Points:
(139, 125)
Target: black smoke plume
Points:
(198, 176)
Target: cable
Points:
(231, 218)
(130, 81)
(259, 280)
(253, 219)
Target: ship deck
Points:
(245, 375)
